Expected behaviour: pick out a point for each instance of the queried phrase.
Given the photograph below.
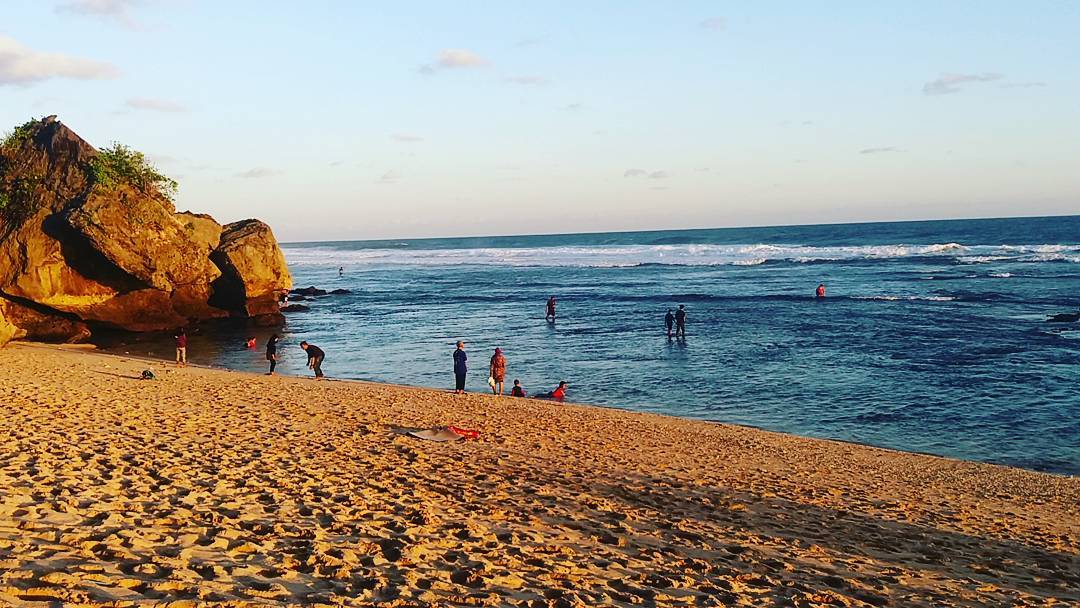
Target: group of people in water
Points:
(674, 322)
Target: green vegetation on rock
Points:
(119, 165)
(17, 199)
(15, 138)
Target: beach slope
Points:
(208, 487)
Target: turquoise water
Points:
(934, 336)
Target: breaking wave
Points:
(688, 254)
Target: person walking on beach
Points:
(517, 391)
(315, 356)
(181, 348)
(820, 293)
(550, 316)
(498, 372)
(680, 321)
(461, 367)
(669, 320)
(271, 353)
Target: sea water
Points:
(933, 336)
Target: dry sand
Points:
(220, 488)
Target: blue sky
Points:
(335, 120)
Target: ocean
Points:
(934, 336)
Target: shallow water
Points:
(933, 338)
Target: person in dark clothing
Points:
(550, 316)
(271, 353)
(669, 320)
(315, 356)
(680, 321)
(461, 367)
(518, 391)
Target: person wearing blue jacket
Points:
(461, 367)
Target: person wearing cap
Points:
(498, 371)
(461, 367)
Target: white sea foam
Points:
(615, 256)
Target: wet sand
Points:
(210, 487)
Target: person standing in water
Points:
(820, 293)
(181, 348)
(461, 367)
(680, 321)
(341, 271)
(498, 371)
(271, 353)
(669, 321)
(550, 316)
(315, 356)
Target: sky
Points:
(352, 120)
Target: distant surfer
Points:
(680, 322)
(341, 271)
(669, 322)
(820, 293)
(550, 316)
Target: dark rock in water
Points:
(309, 291)
(340, 292)
(295, 308)
(80, 252)
(297, 298)
(1065, 317)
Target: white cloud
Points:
(460, 58)
(22, 66)
(117, 10)
(156, 105)
(258, 173)
(644, 173)
(406, 137)
(878, 150)
(528, 80)
(449, 59)
(952, 83)
(713, 23)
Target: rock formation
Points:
(82, 250)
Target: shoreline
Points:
(171, 365)
(219, 487)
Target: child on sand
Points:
(517, 391)
(271, 353)
(181, 348)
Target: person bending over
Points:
(315, 356)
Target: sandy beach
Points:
(210, 487)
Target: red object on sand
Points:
(466, 433)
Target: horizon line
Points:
(743, 227)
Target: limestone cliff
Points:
(86, 245)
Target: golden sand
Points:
(215, 488)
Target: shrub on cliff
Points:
(119, 165)
(15, 138)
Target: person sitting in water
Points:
(517, 391)
(558, 394)
(820, 293)
(251, 342)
